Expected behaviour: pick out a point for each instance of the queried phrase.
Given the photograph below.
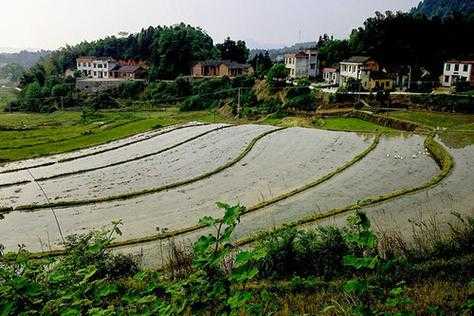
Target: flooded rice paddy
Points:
(255, 165)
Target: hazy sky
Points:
(54, 23)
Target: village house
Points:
(331, 75)
(96, 67)
(302, 64)
(355, 67)
(458, 71)
(377, 80)
(108, 68)
(220, 68)
(128, 72)
(104, 73)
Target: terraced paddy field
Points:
(161, 182)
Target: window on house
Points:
(465, 68)
(456, 67)
(446, 79)
(448, 67)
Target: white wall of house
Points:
(300, 65)
(95, 68)
(331, 77)
(457, 71)
(350, 70)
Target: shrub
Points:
(184, 87)
(243, 82)
(291, 252)
(130, 89)
(303, 103)
(276, 76)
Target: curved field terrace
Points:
(172, 177)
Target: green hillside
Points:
(443, 8)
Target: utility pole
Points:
(238, 102)
(409, 78)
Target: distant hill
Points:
(276, 54)
(442, 8)
(24, 58)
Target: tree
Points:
(11, 72)
(333, 51)
(31, 97)
(234, 51)
(403, 38)
(261, 63)
(276, 76)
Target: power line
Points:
(49, 202)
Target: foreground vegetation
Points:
(338, 271)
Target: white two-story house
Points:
(96, 67)
(302, 64)
(458, 70)
(355, 68)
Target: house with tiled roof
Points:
(220, 68)
(355, 67)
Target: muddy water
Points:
(31, 163)
(454, 194)
(397, 163)
(133, 150)
(278, 163)
(30, 193)
(189, 160)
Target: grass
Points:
(436, 119)
(350, 124)
(470, 93)
(27, 135)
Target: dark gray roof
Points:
(357, 59)
(129, 69)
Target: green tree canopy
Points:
(234, 51)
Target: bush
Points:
(292, 252)
(302, 103)
(276, 76)
(130, 89)
(462, 86)
(445, 102)
(184, 87)
(243, 82)
(195, 103)
(102, 100)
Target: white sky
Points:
(54, 23)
